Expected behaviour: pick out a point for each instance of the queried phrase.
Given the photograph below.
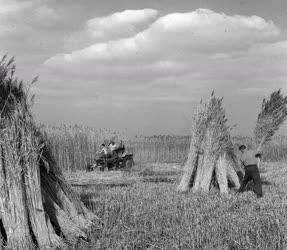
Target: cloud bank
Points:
(173, 42)
(174, 35)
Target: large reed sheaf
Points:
(211, 150)
(38, 207)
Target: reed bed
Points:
(75, 146)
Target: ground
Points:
(142, 210)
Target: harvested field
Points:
(149, 215)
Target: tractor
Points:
(112, 161)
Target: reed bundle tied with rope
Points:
(38, 207)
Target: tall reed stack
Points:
(38, 207)
(211, 150)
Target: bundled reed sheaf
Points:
(211, 150)
(272, 114)
(38, 207)
(199, 125)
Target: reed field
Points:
(75, 146)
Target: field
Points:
(141, 209)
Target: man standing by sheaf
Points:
(249, 160)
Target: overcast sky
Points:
(144, 65)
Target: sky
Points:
(143, 66)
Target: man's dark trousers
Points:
(252, 173)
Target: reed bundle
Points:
(211, 146)
(272, 114)
(38, 207)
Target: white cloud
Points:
(120, 24)
(176, 36)
(116, 26)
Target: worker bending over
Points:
(249, 160)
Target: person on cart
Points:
(103, 150)
(103, 156)
(112, 146)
